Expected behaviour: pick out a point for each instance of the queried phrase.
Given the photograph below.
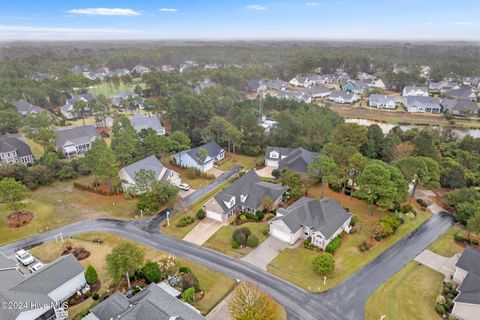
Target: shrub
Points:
(406, 208)
(235, 245)
(276, 173)
(460, 238)
(252, 241)
(241, 239)
(242, 217)
(335, 186)
(201, 214)
(101, 192)
(184, 270)
(147, 202)
(393, 221)
(307, 244)
(185, 221)
(188, 295)
(440, 299)
(189, 280)
(252, 216)
(422, 203)
(324, 264)
(95, 296)
(260, 215)
(364, 246)
(333, 245)
(91, 275)
(440, 309)
(354, 220)
(266, 231)
(151, 272)
(241, 235)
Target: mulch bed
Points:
(79, 253)
(17, 220)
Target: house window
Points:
(274, 155)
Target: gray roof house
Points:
(422, 104)
(276, 84)
(442, 86)
(77, 140)
(255, 85)
(298, 96)
(467, 274)
(141, 121)
(52, 284)
(128, 174)
(382, 101)
(322, 220)
(463, 92)
(14, 150)
(245, 194)
(67, 109)
(343, 97)
(119, 97)
(460, 106)
(152, 303)
(203, 85)
(193, 158)
(296, 160)
(415, 91)
(25, 108)
(317, 92)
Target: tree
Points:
(350, 134)
(356, 164)
(424, 145)
(91, 275)
(372, 148)
(323, 169)
(324, 264)
(180, 140)
(292, 181)
(101, 160)
(164, 191)
(124, 259)
(421, 171)
(10, 121)
(100, 107)
(80, 107)
(267, 204)
(188, 295)
(189, 280)
(145, 179)
(12, 193)
(233, 137)
(473, 224)
(124, 140)
(39, 128)
(151, 272)
(250, 303)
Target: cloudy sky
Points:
(238, 19)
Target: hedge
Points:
(88, 188)
(333, 245)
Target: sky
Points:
(240, 20)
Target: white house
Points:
(141, 121)
(14, 150)
(321, 220)
(317, 92)
(77, 140)
(422, 104)
(194, 158)
(382, 101)
(128, 174)
(415, 91)
(378, 83)
(67, 109)
(140, 70)
(300, 81)
(343, 97)
(298, 96)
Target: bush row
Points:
(88, 188)
(460, 238)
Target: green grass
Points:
(408, 295)
(222, 239)
(109, 90)
(246, 162)
(445, 245)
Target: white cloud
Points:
(24, 28)
(462, 23)
(256, 7)
(313, 4)
(168, 10)
(106, 12)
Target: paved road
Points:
(346, 301)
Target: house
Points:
(364, 76)
(118, 99)
(152, 303)
(437, 87)
(255, 85)
(300, 81)
(167, 68)
(321, 220)
(379, 84)
(128, 174)
(14, 150)
(40, 293)
(298, 96)
(203, 85)
(460, 93)
(382, 101)
(77, 140)
(211, 66)
(460, 106)
(357, 86)
(67, 109)
(141, 121)
(189, 64)
(409, 91)
(422, 104)
(467, 274)
(246, 194)
(121, 72)
(140, 70)
(276, 85)
(343, 97)
(267, 123)
(193, 158)
(296, 160)
(317, 92)
(25, 108)
(425, 71)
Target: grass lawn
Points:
(408, 295)
(60, 204)
(231, 159)
(109, 90)
(295, 264)
(445, 245)
(37, 150)
(215, 285)
(222, 239)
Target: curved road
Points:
(346, 301)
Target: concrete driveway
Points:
(215, 171)
(184, 194)
(220, 312)
(265, 252)
(439, 263)
(265, 172)
(203, 231)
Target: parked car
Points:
(184, 186)
(35, 267)
(24, 257)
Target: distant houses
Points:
(202, 157)
(357, 86)
(317, 92)
(422, 104)
(77, 140)
(297, 96)
(140, 121)
(68, 110)
(276, 85)
(410, 91)
(119, 98)
(203, 85)
(13, 150)
(25, 108)
(382, 101)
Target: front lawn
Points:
(410, 294)
(295, 264)
(216, 285)
(222, 239)
(231, 159)
(445, 245)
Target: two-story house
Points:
(14, 150)
(202, 157)
(77, 140)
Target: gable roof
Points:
(213, 150)
(469, 289)
(427, 102)
(297, 160)
(459, 105)
(411, 89)
(26, 108)
(381, 99)
(76, 135)
(325, 216)
(140, 121)
(470, 260)
(10, 143)
(345, 95)
(282, 152)
(462, 92)
(149, 163)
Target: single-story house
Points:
(357, 86)
(77, 140)
(460, 93)
(343, 97)
(255, 85)
(128, 174)
(67, 109)
(14, 150)
(152, 303)
(467, 274)
(124, 96)
(382, 101)
(300, 81)
(193, 158)
(298, 96)
(317, 92)
(37, 292)
(140, 70)
(276, 84)
(140, 121)
(437, 87)
(422, 104)
(460, 106)
(321, 220)
(378, 83)
(25, 108)
(296, 160)
(246, 194)
(409, 91)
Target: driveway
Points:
(265, 252)
(265, 172)
(439, 263)
(220, 312)
(216, 172)
(183, 194)
(203, 231)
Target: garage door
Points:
(280, 235)
(214, 215)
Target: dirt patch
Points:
(17, 220)
(80, 253)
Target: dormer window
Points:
(274, 155)
(230, 203)
(243, 198)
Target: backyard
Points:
(295, 264)
(247, 162)
(109, 89)
(215, 285)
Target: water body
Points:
(386, 127)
